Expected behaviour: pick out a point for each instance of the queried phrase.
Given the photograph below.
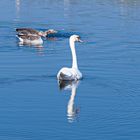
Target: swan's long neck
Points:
(74, 57)
(70, 107)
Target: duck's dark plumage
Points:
(29, 37)
(27, 31)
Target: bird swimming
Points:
(32, 36)
(70, 74)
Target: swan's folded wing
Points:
(65, 74)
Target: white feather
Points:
(71, 73)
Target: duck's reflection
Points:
(38, 48)
(72, 111)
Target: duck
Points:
(73, 73)
(32, 36)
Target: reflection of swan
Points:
(17, 5)
(71, 111)
(71, 73)
(17, 2)
(31, 36)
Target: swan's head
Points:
(75, 38)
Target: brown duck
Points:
(32, 36)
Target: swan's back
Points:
(68, 74)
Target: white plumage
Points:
(71, 73)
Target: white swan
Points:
(71, 73)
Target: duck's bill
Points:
(55, 31)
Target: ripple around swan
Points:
(104, 105)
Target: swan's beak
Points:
(79, 40)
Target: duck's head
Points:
(50, 31)
(75, 38)
(41, 33)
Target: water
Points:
(105, 105)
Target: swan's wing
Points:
(65, 74)
(26, 31)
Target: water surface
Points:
(104, 105)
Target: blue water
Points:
(105, 105)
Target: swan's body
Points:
(31, 36)
(71, 73)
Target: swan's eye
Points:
(78, 38)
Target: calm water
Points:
(105, 105)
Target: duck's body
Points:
(73, 73)
(27, 31)
(31, 36)
(30, 39)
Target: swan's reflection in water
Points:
(72, 111)
(17, 4)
